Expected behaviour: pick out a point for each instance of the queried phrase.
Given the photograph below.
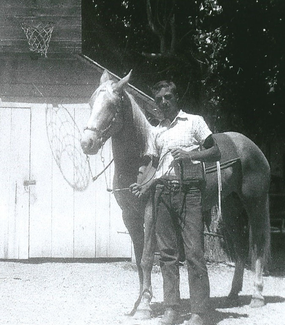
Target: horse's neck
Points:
(128, 143)
(125, 148)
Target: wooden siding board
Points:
(20, 142)
(102, 209)
(8, 251)
(40, 3)
(62, 212)
(84, 202)
(5, 204)
(63, 91)
(15, 124)
(84, 224)
(22, 13)
(40, 194)
(67, 33)
(21, 10)
(55, 47)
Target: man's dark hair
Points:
(164, 84)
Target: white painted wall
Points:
(50, 218)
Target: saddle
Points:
(229, 155)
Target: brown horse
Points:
(245, 185)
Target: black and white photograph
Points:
(142, 162)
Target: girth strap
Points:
(223, 165)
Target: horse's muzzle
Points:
(89, 146)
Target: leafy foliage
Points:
(226, 57)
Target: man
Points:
(178, 211)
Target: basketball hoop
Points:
(38, 36)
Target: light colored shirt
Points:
(186, 131)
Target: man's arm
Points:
(211, 152)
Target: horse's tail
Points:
(251, 237)
(235, 240)
(246, 237)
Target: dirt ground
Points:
(89, 292)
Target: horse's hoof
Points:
(257, 302)
(142, 314)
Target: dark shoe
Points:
(169, 318)
(195, 320)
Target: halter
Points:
(102, 135)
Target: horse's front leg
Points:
(134, 223)
(143, 310)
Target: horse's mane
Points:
(144, 130)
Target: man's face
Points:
(167, 103)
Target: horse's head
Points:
(105, 119)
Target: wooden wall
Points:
(48, 218)
(65, 14)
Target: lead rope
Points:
(94, 178)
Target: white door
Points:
(14, 182)
(40, 214)
(64, 222)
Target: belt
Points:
(173, 185)
(170, 185)
(176, 185)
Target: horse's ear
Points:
(122, 83)
(105, 77)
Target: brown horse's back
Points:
(244, 169)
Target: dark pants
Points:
(179, 216)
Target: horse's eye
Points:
(158, 100)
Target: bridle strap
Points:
(102, 133)
(103, 138)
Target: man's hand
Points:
(179, 154)
(135, 188)
(139, 190)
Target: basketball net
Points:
(38, 36)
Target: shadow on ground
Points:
(215, 316)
